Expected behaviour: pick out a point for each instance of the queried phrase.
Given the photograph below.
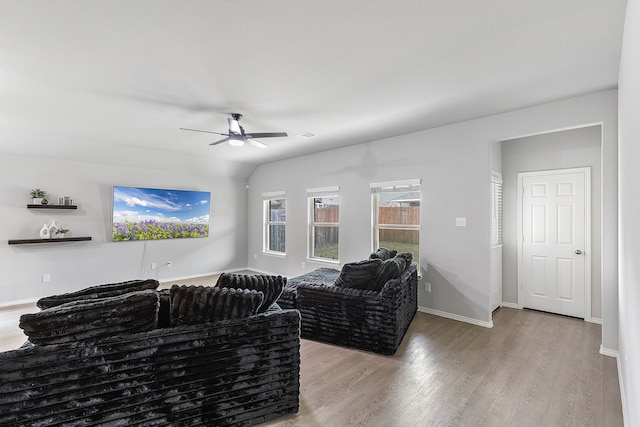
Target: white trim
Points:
(196, 276)
(275, 254)
(18, 302)
(609, 352)
(267, 222)
(403, 183)
(455, 317)
(321, 261)
(553, 130)
(587, 249)
(511, 305)
(321, 191)
(273, 194)
(621, 383)
(312, 194)
(594, 320)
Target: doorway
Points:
(554, 253)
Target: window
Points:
(396, 216)
(324, 213)
(496, 209)
(275, 216)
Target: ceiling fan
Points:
(237, 136)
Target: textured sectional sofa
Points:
(366, 305)
(128, 354)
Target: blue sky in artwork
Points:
(140, 204)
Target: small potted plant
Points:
(62, 232)
(37, 195)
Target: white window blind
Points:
(323, 191)
(496, 210)
(395, 186)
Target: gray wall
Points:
(73, 266)
(454, 163)
(557, 150)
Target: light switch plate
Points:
(461, 221)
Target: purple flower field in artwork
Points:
(152, 230)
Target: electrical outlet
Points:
(303, 264)
(154, 265)
(427, 287)
(46, 277)
(169, 264)
(255, 256)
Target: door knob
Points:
(578, 252)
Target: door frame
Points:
(587, 231)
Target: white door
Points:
(555, 239)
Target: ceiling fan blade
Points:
(266, 135)
(221, 141)
(205, 131)
(257, 143)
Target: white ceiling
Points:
(89, 79)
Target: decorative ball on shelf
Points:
(44, 201)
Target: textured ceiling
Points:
(89, 80)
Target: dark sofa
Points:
(367, 305)
(191, 368)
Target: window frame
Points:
(376, 227)
(268, 222)
(312, 194)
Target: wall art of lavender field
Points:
(151, 214)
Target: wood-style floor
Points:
(531, 369)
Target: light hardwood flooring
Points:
(531, 369)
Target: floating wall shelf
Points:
(60, 240)
(52, 207)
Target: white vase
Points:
(53, 229)
(44, 232)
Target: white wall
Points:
(558, 150)
(454, 165)
(73, 266)
(629, 105)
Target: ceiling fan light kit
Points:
(236, 141)
(237, 136)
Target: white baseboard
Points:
(18, 302)
(623, 397)
(195, 276)
(608, 352)
(456, 317)
(511, 305)
(614, 353)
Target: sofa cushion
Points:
(192, 305)
(358, 274)
(389, 269)
(270, 286)
(408, 259)
(98, 291)
(93, 318)
(383, 254)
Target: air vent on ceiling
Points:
(307, 135)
